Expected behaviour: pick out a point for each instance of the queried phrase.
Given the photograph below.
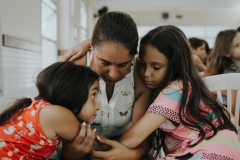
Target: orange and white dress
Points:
(23, 138)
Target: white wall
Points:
(22, 19)
(69, 19)
(63, 22)
(189, 18)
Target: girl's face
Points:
(235, 48)
(89, 109)
(200, 52)
(112, 62)
(153, 66)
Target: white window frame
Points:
(1, 66)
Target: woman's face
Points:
(153, 66)
(89, 109)
(111, 61)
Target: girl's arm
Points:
(57, 121)
(142, 129)
(198, 63)
(142, 96)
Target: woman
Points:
(123, 97)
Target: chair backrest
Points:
(228, 82)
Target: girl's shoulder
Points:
(174, 87)
(57, 121)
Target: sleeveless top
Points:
(114, 117)
(23, 138)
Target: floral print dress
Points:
(23, 138)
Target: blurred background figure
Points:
(238, 29)
(199, 53)
(225, 58)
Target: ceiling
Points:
(167, 5)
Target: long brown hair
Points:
(217, 59)
(62, 83)
(171, 41)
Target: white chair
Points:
(228, 82)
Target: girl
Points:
(199, 54)
(225, 58)
(32, 127)
(190, 123)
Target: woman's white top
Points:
(114, 117)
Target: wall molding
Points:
(14, 42)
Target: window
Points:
(1, 67)
(79, 21)
(49, 33)
(207, 33)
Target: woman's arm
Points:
(77, 54)
(142, 101)
(142, 95)
(117, 152)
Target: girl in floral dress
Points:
(31, 128)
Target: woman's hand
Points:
(117, 151)
(77, 51)
(100, 146)
(80, 145)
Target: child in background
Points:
(190, 123)
(225, 58)
(207, 49)
(31, 128)
(199, 54)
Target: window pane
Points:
(212, 31)
(193, 31)
(142, 30)
(83, 15)
(49, 22)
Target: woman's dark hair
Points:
(117, 27)
(195, 42)
(171, 41)
(62, 83)
(217, 59)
